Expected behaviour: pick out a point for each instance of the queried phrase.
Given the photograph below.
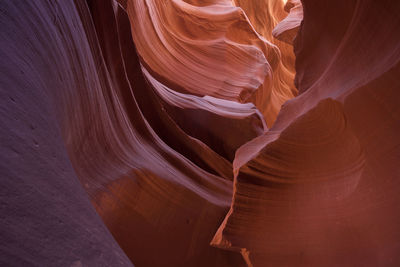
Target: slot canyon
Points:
(205, 133)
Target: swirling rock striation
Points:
(212, 48)
(318, 188)
(287, 29)
(46, 216)
(180, 123)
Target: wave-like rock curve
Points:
(199, 133)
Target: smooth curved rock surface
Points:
(317, 188)
(287, 29)
(200, 133)
(264, 16)
(46, 216)
(212, 48)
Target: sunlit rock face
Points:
(217, 48)
(200, 133)
(287, 28)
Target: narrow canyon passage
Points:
(200, 133)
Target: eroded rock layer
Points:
(171, 133)
(318, 189)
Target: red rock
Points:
(287, 29)
(288, 209)
(171, 133)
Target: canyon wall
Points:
(200, 133)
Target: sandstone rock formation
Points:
(200, 133)
(287, 29)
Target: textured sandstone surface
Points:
(286, 30)
(318, 188)
(46, 218)
(200, 133)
